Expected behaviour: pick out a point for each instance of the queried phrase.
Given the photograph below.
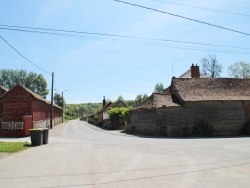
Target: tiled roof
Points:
(106, 106)
(211, 89)
(110, 105)
(157, 100)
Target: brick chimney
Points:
(104, 101)
(195, 71)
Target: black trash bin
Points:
(45, 136)
(36, 136)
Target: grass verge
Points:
(11, 147)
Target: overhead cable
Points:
(142, 40)
(183, 17)
(24, 56)
(202, 8)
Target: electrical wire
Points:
(24, 56)
(183, 17)
(202, 8)
(21, 28)
(140, 40)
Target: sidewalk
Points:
(52, 132)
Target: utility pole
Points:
(62, 106)
(51, 112)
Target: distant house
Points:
(103, 117)
(222, 102)
(20, 102)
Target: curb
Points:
(101, 130)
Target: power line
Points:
(24, 56)
(101, 34)
(47, 31)
(183, 17)
(202, 8)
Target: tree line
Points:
(210, 67)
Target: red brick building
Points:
(20, 103)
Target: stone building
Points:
(103, 117)
(222, 102)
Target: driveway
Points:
(81, 155)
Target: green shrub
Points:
(123, 112)
(203, 128)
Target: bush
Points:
(117, 112)
(203, 128)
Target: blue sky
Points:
(94, 66)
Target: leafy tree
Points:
(58, 100)
(239, 70)
(159, 88)
(140, 98)
(210, 66)
(35, 82)
(120, 98)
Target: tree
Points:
(58, 100)
(239, 70)
(35, 82)
(159, 88)
(120, 98)
(210, 66)
(140, 98)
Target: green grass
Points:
(11, 147)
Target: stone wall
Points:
(228, 118)
(143, 121)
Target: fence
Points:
(12, 125)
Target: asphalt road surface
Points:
(81, 155)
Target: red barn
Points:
(20, 105)
(2, 91)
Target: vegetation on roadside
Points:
(123, 112)
(11, 147)
(203, 128)
(246, 129)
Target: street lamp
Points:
(62, 105)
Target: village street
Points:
(81, 155)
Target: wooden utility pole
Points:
(51, 112)
(62, 107)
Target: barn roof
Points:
(3, 90)
(36, 96)
(211, 89)
(157, 100)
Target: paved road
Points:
(80, 155)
